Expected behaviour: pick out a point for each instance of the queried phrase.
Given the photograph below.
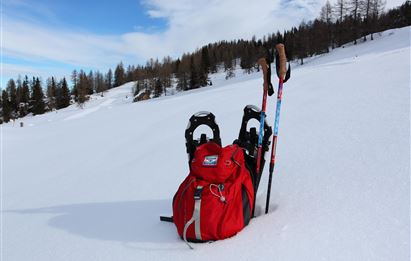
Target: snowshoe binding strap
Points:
(269, 58)
(201, 118)
(270, 85)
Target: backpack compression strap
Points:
(196, 216)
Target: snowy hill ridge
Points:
(391, 40)
(90, 184)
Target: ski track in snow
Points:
(91, 183)
(86, 112)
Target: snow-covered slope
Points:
(90, 184)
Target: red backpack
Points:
(216, 199)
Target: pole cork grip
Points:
(264, 67)
(283, 60)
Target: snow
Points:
(90, 184)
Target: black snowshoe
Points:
(248, 140)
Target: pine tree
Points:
(165, 73)
(100, 84)
(119, 76)
(377, 6)
(326, 16)
(63, 98)
(205, 60)
(51, 93)
(90, 83)
(213, 61)
(12, 92)
(204, 67)
(302, 42)
(341, 10)
(74, 79)
(228, 65)
(82, 87)
(182, 78)
(38, 98)
(24, 97)
(158, 88)
(6, 107)
(194, 79)
(247, 58)
(19, 94)
(137, 87)
(355, 13)
(179, 74)
(109, 79)
(129, 73)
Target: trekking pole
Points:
(283, 75)
(265, 64)
(264, 67)
(268, 89)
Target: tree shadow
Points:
(128, 221)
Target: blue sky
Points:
(52, 38)
(101, 17)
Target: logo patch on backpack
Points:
(210, 160)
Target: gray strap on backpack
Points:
(196, 217)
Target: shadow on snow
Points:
(128, 221)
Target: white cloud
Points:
(190, 24)
(34, 42)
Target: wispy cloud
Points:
(28, 10)
(36, 42)
(38, 71)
